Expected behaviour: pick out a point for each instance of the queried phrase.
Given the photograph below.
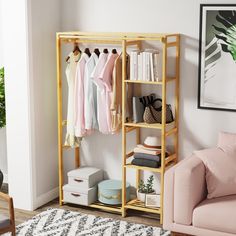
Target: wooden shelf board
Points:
(105, 207)
(143, 82)
(170, 159)
(140, 206)
(151, 126)
(168, 79)
(158, 170)
(101, 206)
(129, 129)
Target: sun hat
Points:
(151, 143)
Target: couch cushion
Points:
(220, 166)
(4, 221)
(217, 214)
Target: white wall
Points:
(45, 22)
(29, 57)
(3, 145)
(198, 128)
(19, 119)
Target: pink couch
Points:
(186, 209)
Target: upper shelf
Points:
(116, 36)
(150, 82)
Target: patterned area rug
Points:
(55, 222)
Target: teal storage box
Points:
(110, 192)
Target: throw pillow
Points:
(226, 138)
(220, 166)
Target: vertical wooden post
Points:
(59, 110)
(77, 157)
(176, 142)
(138, 140)
(123, 128)
(163, 128)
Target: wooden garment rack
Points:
(125, 40)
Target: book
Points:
(151, 66)
(134, 65)
(140, 66)
(144, 67)
(148, 66)
(155, 66)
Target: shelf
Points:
(105, 207)
(158, 170)
(149, 82)
(129, 129)
(150, 126)
(140, 206)
(168, 161)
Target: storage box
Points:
(79, 196)
(110, 192)
(85, 177)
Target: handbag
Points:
(153, 114)
(139, 104)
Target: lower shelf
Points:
(105, 207)
(140, 206)
(102, 206)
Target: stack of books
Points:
(144, 65)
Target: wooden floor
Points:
(133, 216)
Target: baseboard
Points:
(46, 197)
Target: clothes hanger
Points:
(105, 50)
(114, 51)
(87, 51)
(76, 51)
(76, 48)
(97, 52)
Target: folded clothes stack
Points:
(148, 154)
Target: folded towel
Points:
(145, 151)
(149, 156)
(145, 162)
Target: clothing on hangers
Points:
(116, 99)
(104, 96)
(100, 89)
(80, 130)
(72, 60)
(90, 94)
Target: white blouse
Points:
(71, 140)
(90, 94)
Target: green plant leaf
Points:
(227, 32)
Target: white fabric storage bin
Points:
(79, 196)
(85, 177)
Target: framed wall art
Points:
(217, 57)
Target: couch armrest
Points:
(189, 189)
(168, 218)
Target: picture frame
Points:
(217, 57)
(153, 200)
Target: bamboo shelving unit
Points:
(124, 40)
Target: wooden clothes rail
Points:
(125, 40)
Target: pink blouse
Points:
(80, 130)
(104, 95)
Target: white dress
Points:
(71, 140)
